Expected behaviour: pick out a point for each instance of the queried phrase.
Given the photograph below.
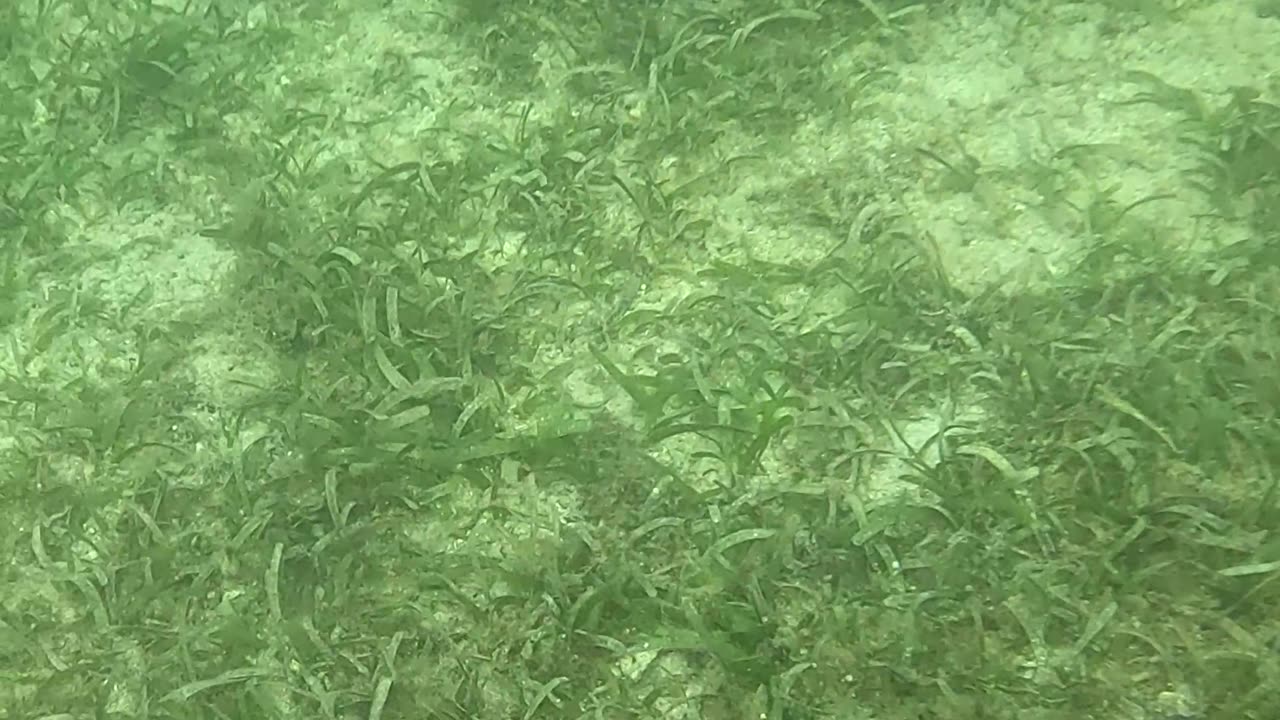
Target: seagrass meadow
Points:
(610, 360)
